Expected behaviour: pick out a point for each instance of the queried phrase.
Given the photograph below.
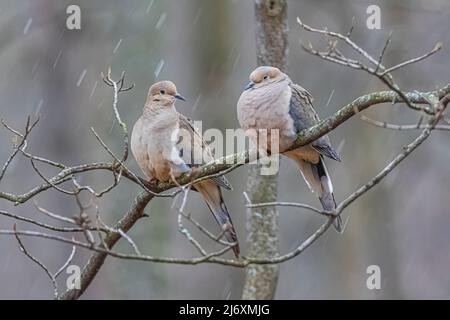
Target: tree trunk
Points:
(262, 223)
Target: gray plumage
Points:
(188, 125)
(302, 112)
(273, 101)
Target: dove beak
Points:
(179, 97)
(249, 86)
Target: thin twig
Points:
(123, 167)
(18, 147)
(28, 155)
(436, 48)
(51, 214)
(386, 44)
(38, 223)
(333, 55)
(387, 125)
(182, 229)
(66, 264)
(117, 88)
(36, 260)
(53, 185)
(289, 204)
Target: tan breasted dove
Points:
(165, 144)
(272, 101)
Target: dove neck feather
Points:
(155, 108)
(160, 115)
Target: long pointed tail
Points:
(212, 195)
(318, 180)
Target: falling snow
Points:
(112, 126)
(93, 90)
(159, 68)
(61, 34)
(101, 103)
(340, 146)
(226, 293)
(80, 79)
(117, 46)
(161, 20)
(330, 97)
(149, 6)
(27, 26)
(236, 60)
(39, 107)
(196, 103)
(57, 59)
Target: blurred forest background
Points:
(207, 48)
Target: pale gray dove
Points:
(272, 101)
(165, 144)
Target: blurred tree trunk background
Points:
(262, 223)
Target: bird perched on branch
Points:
(272, 101)
(165, 144)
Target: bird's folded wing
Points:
(194, 151)
(302, 112)
(326, 149)
(301, 109)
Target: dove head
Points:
(263, 76)
(163, 93)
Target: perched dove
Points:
(165, 144)
(272, 101)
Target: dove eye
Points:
(162, 91)
(266, 77)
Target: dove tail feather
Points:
(212, 195)
(318, 180)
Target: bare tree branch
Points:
(334, 55)
(29, 126)
(387, 125)
(42, 265)
(433, 103)
(436, 48)
(288, 204)
(41, 224)
(36, 261)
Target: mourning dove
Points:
(165, 144)
(272, 101)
